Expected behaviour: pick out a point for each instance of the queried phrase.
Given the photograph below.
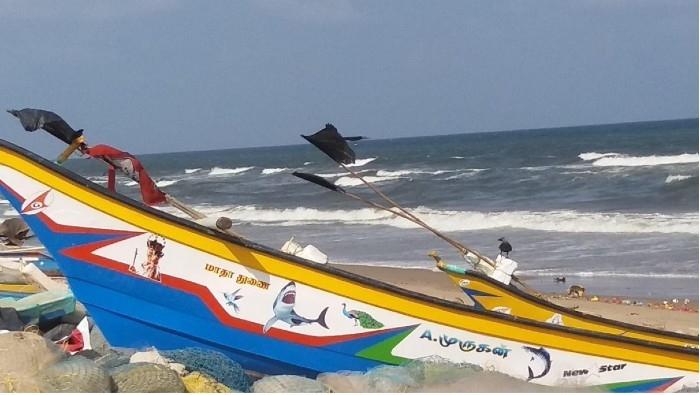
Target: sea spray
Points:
(646, 160)
(218, 171)
(451, 220)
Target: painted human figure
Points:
(151, 267)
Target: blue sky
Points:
(160, 76)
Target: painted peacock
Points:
(364, 319)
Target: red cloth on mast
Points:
(132, 167)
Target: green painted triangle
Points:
(382, 351)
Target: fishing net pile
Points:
(38, 365)
(30, 353)
(214, 364)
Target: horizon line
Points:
(432, 135)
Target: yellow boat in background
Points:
(487, 294)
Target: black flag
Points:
(332, 144)
(318, 181)
(33, 119)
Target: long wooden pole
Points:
(462, 248)
(196, 215)
(410, 216)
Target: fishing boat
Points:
(150, 278)
(36, 255)
(17, 289)
(41, 306)
(488, 294)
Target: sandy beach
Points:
(652, 313)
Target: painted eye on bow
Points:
(37, 204)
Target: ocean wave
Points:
(464, 173)
(165, 183)
(452, 221)
(353, 182)
(190, 171)
(218, 171)
(594, 155)
(604, 273)
(399, 173)
(612, 159)
(273, 170)
(579, 172)
(331, 175)
(361, 162)
(98, 179)
(308, 163)
(676, 178)
(536, 168)
(456, 157)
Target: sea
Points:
(613, 208)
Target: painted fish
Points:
(283, 308)
(539, 363)
(232, 298)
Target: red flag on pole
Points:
(132, 167)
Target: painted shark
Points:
(283, 308)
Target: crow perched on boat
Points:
(505, 246)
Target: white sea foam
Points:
(165, 183)
(307, 163)
(131, 183)
(361, 162)
(456, 157)
(218, 171)
(595, 155)
(464, 173)
(451, 221)
(353, 182)
(399, 173)
(190, 171)
(603, 273)
(98, 179)
(676, 178)
(331, 175)
(613, 159)
(273, 170)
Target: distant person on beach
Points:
(151, 267)
(15, 230)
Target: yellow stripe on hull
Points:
(387, 297)
(521, 306)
